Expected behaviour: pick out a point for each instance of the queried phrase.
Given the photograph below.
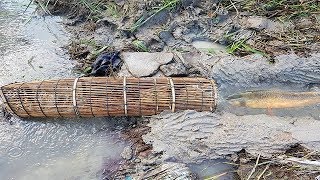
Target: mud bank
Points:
(255, 71)
(192, 136)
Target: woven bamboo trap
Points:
(103, 96)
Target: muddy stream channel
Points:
(30, 49)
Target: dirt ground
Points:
(244, 27)
(240, 27)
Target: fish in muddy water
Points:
(274, 99)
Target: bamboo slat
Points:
(105, 96)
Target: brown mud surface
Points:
(279, 40)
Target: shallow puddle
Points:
(214, 169)
(30, 49)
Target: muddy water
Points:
(47, 149)
(213, 169)
(289, 73)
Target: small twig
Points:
(266, 162)
(254, 168)
(55, 3)
(265, 169)
(30, 63)
(234, 6)
(30, 2)
(303, 161)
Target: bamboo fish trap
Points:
(104, 96)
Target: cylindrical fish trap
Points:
(103, 96)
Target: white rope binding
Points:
(173, 95)
(74, 100)
(215, 96)
(156, 94)
(125, 95)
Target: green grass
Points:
(95, 9)
(43, 6)
(296, 38)
(140, 46)
(235, 46)
(165, 4)
(89, 42)
(93, 6)
(97, 50)
(211, 51)
(240, 47)
(284, 9)
(169, 4)
(112, 10)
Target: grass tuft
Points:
(283, 9)
(240, 47)
(140, 46)
(94, 8)
(165, 4)
(44, 6)
(112, 10)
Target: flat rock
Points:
(143, 64)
